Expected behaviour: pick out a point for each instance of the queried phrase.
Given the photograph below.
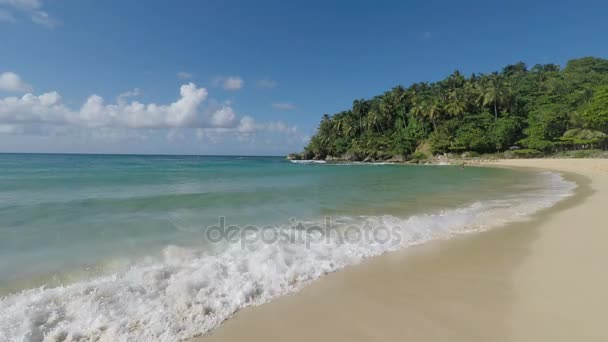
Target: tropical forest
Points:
(529, 111)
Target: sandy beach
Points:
(541, 280)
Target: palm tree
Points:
(470, 95)
(337, 124)
(360, 109)
(418, 109)
(349, 125)
(455, 106)
(455, 80)
(386, 110)
(491, 94)
(506, 96)
(399, 96)
(373, 119)
(433, 111)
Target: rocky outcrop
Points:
(306, 155)
(294, 156)
(351, 156)
(397, 158)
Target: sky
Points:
(248, 77)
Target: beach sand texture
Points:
(541, 280)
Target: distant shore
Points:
(542, 280)
(450, 158)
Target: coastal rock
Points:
(294, 156)
(368, 159)
(331, 158)
(383, 156)
(307, 155)
(351, 156)
(399, 158)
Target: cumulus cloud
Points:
(283, 106)
(266, 83)
(49, 108)
(48, 122)
(183, 75)
(229, 83)
(224, 117)
(11, 82)
(48, 114)
(181, 113)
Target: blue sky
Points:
(255, 77)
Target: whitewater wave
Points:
(341, 162)
(308, 161)
(189, 292)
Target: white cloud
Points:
(267, 83)
(45, 108)
(233, 83)
(43, 18)
(223, 117)
(279, 126)
(283, 106)
(23, 4)
(10, 81)
(135, 92)
(181, 113)
(7, 16)
(186, 112)
(48, 108)
(248, 129)
(32, 117)
(247, 124)
(183, 75)
(229, 83)
(33, 8)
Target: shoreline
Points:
(538, 279)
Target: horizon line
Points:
(146, 154)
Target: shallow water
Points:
(124, 250)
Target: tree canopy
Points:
(544, 108)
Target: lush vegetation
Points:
(541, 109)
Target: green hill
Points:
(544, 108)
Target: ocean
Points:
(164, 248)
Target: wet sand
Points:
(541, 280)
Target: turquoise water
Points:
(69, 222)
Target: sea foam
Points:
(188, 292)
(308, 161)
